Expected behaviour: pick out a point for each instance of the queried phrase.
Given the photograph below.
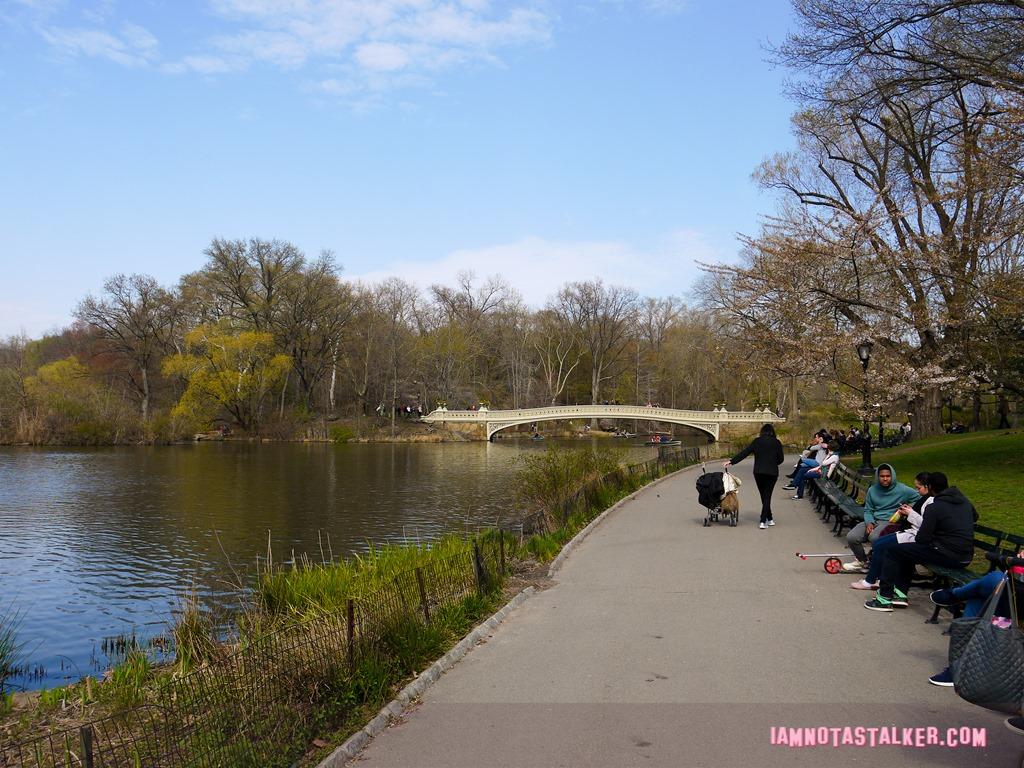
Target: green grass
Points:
(309, 589)
(987, 466)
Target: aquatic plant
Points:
(10, 647)
(193, 636)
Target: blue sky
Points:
(545, 141)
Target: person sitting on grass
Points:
(883, 499)
(908, 524)
(828, 461)
(945, 538)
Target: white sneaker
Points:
(771, 523)
(762, 526)
(863, 584)
(855, 567)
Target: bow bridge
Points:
(706, 421)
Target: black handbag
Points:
(961, 628)
(990, 669)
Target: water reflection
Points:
(95, 543)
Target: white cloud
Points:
(386, 57)
(537, 268)
(360, 40)
(133, 46)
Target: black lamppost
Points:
(864, 353)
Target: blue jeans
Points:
(976, 593)
(878, 550)
(801, 477)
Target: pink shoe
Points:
(862, 584)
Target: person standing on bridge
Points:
(768, 456)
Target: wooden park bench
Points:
(836, 497)
(985, 540)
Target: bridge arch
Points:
(494, 428)
(705, 421)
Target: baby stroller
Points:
(712, 490)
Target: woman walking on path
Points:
(767, 452)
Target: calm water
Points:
(99, 543)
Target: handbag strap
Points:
(1012, 578)
(993, 600)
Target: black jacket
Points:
(948, 525)
(767, 455)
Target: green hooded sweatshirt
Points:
(882, 503)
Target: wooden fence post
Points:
(350, 619)
(478, 568)
(423, 594)
(86, 735)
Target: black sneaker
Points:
(944, 598)
(1016, 724)
(944, 679)
(879, 603)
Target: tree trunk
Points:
(145, 395)
(334, 375)
(394, 400)
(976, 410)
(927, 410)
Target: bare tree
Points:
(602, 315)
(396, 301)
(135, 318)
(917, 43)
(245, 278)
(314, 308)
(558, 352)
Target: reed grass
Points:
(309, 588)
(10, 648)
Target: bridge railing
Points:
(588, 411)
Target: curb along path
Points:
(667, 644)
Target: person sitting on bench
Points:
(906, 530)
(945, 539)
(883, 499)
(811, 457)
(829, 460)
(972, 596)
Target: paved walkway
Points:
(667, 644)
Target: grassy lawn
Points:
(987, 466)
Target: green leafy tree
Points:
(229, 371)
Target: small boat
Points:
(661, 439)
(537, 437)
(624, 434)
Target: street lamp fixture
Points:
(864, 353)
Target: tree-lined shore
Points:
(899, 223)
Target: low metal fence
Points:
(264, 702)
